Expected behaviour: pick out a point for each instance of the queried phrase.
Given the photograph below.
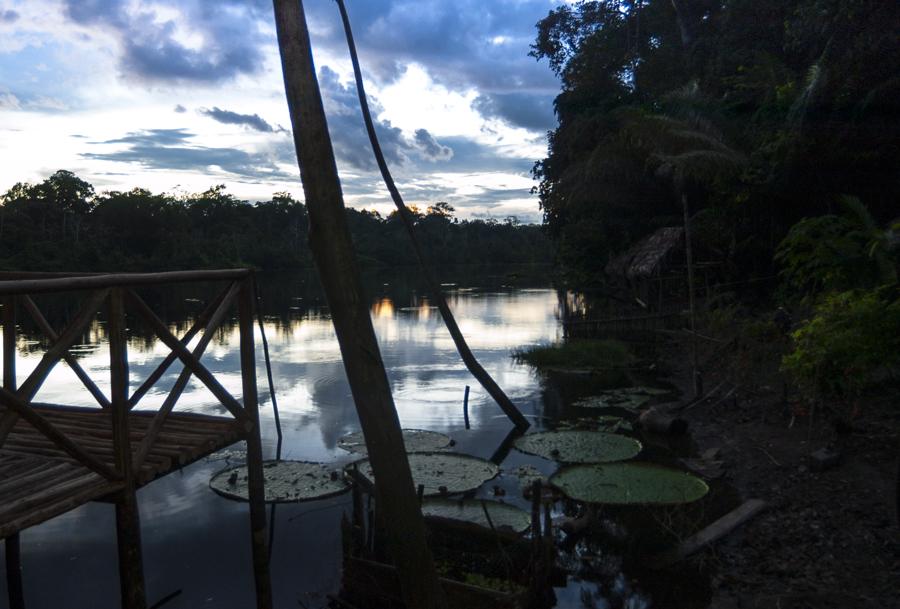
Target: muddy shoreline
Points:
(829, 537)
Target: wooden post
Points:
(15, 591)
(256, 482)
(475, 368)
(538, 555)
(128, 522)
(359, 521)
(332, 249)
(466, 407)
(695, 372)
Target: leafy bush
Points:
(850, 344)
(834, 252)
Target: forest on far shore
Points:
(62, 224)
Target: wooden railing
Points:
(116, 292)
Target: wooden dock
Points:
(54, 458)
(39, 480)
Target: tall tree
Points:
(806, 90)
(333, 253)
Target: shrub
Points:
(850, 344)
(831, 252)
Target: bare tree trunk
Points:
(332, 250)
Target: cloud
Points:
(531, 111)
(9, 101)
(183, 41)
(430, 148)
(170, 149)
(153, 137)
(348, 132)
(470, 155)
(462, 44)
(180, 109)
(9, 16)
(254, 121)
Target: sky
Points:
(180, 95)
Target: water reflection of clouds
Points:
(417, 349)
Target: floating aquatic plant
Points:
(607, 423)
(228, 455)
(442, 473)
(503, 516)
(285, 482)
(415, 440)
(577, 446)
(629, 398)
(629, 483)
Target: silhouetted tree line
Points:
(63, 224)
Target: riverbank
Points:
(829, 538)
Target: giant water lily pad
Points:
(285, 481)
(611, 424)
(629, 398)
(607, 423)
(229, 456)
(631, 403)
(443, 473)
(628, 484)
(577, 446)
(503, 516)
(415, 440)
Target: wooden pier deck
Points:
(39, 480)
(54, 458)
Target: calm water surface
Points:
(197, 542)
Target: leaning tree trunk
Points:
(332, 250)
(434, 288)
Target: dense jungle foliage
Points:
(841, 270)
(761, 112)
(62, 224)
(777, 121)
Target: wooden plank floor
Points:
(39, 481)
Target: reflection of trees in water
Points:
(286, 300)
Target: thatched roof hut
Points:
(645, 258)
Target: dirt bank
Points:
(830, 537)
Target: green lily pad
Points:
(228, 455)
(285, 482)
(607, 423)
(629, 484)
(612, 424)
(415, 440)
(574, 446)
(629, 398)
(619, 400)
(503, 516)
(443, 473)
